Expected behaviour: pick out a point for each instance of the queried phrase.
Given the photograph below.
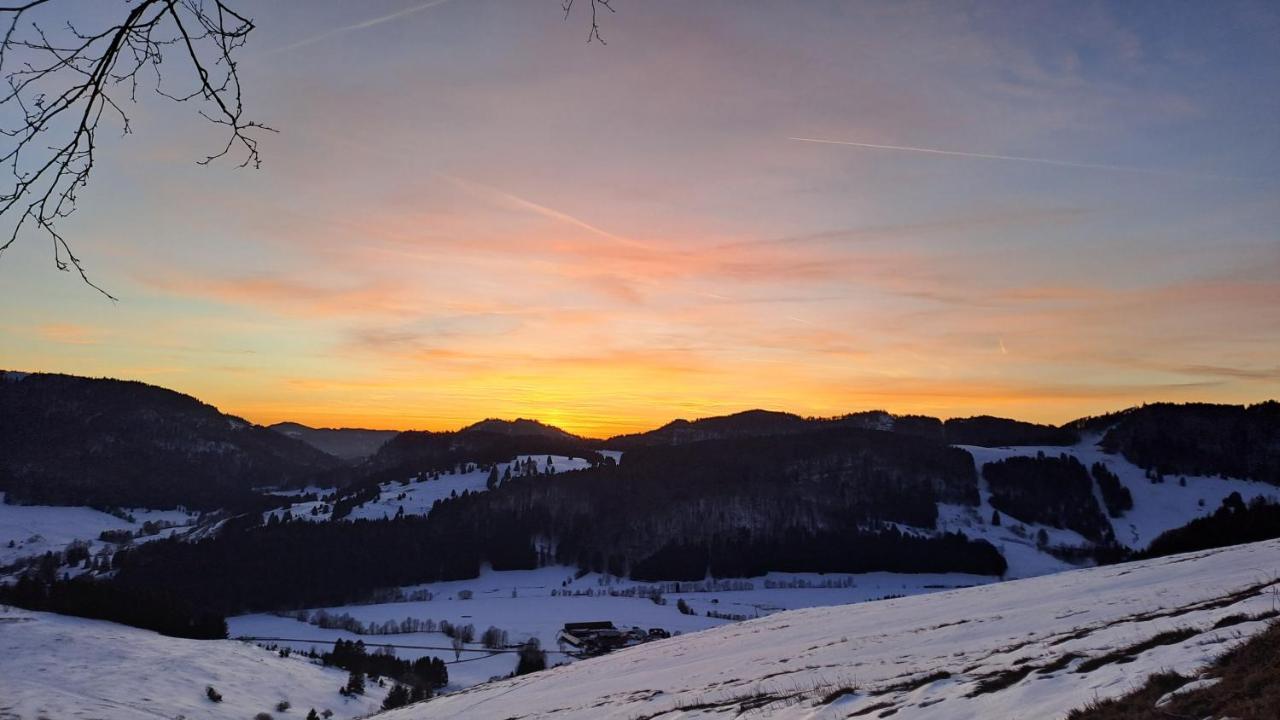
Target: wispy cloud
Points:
(358, 26)
(1015, 158)
(69, 334)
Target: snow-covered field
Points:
(521, 603)
(56, 667)
(1032, 648)
(36, 529)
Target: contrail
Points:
(358, 26)
(547, 212)
(1015, 158)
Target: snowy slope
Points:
(36, 529)
(1156, 507)
(54, 666)
(870, 658)
(417, 497)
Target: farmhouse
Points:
(592, 637)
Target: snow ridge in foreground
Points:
(55, 666)
(1033, 648)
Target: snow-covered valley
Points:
(537, 603)
(1033, 648)
(860, 620)
(29, 530)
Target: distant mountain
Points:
(519, 426)
(988, 431)
(488, 441)
(67, 440)
(350, 444)
(749, 423)
(984, 430)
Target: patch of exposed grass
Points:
(1058, 663)
(1131, 653)
(838, 693)
(1145, 697)
(913, 683)
(1248, 687)
(1239, 618)
(1001, 680)
(872, 708)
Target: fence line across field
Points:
(442, 648)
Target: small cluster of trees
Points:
(494, 638)
(124, 536)
(465, 633)
(422, 677)
(344, 621)
(532, 657)
(654, 591)
(736, 617)
(793, 583)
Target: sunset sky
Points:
(470, 212)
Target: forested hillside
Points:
(1199, 439)
(68, 440)
(822, 501)
(350, 444)
(983, 430)
(415, 452)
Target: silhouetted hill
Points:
(68, 440)
(489, 441)
(983, 430)
(521, 427)
(749, 423)
(988, 431)
(350, 444)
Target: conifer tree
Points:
(355, 683)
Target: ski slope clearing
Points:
(54, 666)
(417, 497)
(37, 529)
(1032, 648)
(1157, 507)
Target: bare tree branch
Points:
(60, 82)
(594, 32)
